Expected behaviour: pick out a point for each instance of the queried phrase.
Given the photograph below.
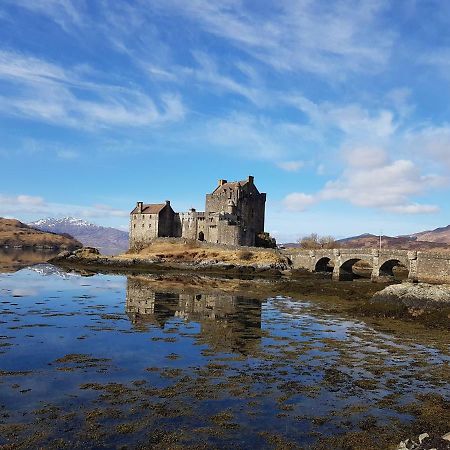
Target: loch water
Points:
(105, 361)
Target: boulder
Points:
(63, 255)
(416, 298)
(87, 252)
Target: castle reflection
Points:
(228, 323)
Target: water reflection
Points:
(14, 259)
(228, 322)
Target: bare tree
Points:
(314, 241)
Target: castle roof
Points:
(150, 208)
(230, 185)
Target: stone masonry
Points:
(234, 215)
(422, 266)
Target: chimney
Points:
(139, 206)
(250, 179)
(168, 202)
(222, 182)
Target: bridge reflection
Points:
(228, 323)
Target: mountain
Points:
(17, 234)
(438, 239)
(108, 240)
(400, 242)
(441, 235)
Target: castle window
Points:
(134, 225)
(143, 225)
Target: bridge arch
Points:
(346, 270)
(387, 266)
(324, 264)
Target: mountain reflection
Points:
(228, 323)
(14, 259)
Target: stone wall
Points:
(239, 205)
(433, 267)
(143, 228)
(422, 266)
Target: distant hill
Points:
(441, 235)
(108, 240)
(400, 242)
(17, 234)
(424, 240)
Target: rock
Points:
(64, 254)
(87, 252)
(426, 442)
(417, 298)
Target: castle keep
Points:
(234, 215)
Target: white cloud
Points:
(298, 201)
(64, 12)
(365, 157)
(414, 208)
(25, 200)
(353, 120)
(291, 166)
(208, 73)
(27, 205)
(371, 180)
(431, 143)
(323, 38)
(49, 93)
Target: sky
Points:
(339, 109)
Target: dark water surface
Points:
(107, 361)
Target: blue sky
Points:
(340, 109)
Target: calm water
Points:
(105, 361)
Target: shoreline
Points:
(355, 297)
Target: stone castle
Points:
(234, 215)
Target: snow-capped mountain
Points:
(107, 240)
(65, 221)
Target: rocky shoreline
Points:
(89, 257)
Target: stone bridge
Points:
(422, 266)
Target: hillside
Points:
(17, 234)
(441, 235)
(108, 240)
(401, 242)
(438, 239)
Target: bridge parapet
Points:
(424, 266)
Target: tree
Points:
(314, 241)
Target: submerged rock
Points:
(426, 442)
(416, 298)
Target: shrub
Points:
(192, 244)
(265, 240)
(245, 255)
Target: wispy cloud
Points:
(64, 12)
(290, 166)
(37, 207)
(47, 92)
(67, 154)
(316, 37)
